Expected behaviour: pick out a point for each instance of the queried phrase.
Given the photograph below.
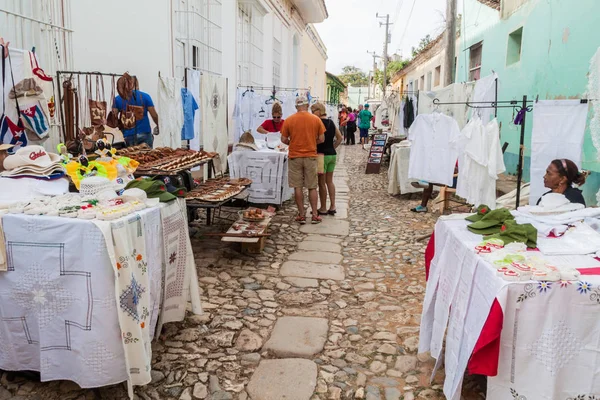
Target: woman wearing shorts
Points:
(333, 138)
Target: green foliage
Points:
(392, 68)
(353, 76)
(422, 44)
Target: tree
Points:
(392, 68)
(353, 76)
(422, 44)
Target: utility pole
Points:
(450, 42)
(385, 48)
(375, 56)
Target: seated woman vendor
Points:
(560, 177)
(275, 124)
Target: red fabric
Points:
(271, 126)
(589, 271)
(484, 360)
(429, 253)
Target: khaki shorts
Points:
(303, 172)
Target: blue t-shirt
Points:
(189, 111)
(137, 99)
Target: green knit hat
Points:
(512, 232)
(481, 211)
(491, 222)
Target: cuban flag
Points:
(34, 119)
(11, 133)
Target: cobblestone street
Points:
(329, 310)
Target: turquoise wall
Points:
(559, 39)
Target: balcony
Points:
(312, 11)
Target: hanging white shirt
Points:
(434, 148)
(170, 113)
(480, 162)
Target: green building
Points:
(538, 48)
(335, 88)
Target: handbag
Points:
(112, 119)
(46, 83)
(26, 88)
(10, 132)
(138, 111)
(98, 105)
(35, 120)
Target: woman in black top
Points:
(560, 177)
(333, 138)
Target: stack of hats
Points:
(154, 189)
(33, 162)
(500, 224)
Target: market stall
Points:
(527, 319)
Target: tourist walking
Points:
(333, 138)
(350, 127)
(342, 120)
(364, 123)
(302, 132)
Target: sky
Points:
(352, 29)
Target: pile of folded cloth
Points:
(500, 224)
(33, 162)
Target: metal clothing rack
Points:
(59, 88)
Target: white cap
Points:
(301, 101)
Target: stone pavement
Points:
(328, 311)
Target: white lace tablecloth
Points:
(550, 340)
(269, 173)
(398, 182)
(60, 300)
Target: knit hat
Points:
(154, 189)
(481, 211)
(511, 232)
(491, 222)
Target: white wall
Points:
(117, 36)
(229, 10)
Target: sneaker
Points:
(419, 209)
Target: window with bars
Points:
(199, 30)
(276, 62)
(475, 53)
(249, 45)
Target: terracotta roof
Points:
(495, 4)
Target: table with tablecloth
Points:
(268, 170)
(80, 300)
(535, 340)
(398, 182)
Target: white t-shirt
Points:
(434, 149)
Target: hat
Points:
(136, 194)
(491, 222)
(301, 101)
(154, 189)
(511, 232)
(93, 185)
(177, 190)
(481, 211)
(367, 105)
(35, 157)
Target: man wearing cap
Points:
(364, 123)
(302, 132)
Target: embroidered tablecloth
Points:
(268, 171)
(61, 301)
(550, 337)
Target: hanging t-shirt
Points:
(480, 162)
(189, 110)
(434, 148)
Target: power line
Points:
(407, 22)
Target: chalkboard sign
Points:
(376, 153)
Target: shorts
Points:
(364, 132)
(302, 172)
(329, 163)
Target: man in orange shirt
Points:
(302, 131)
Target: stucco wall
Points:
(313, 58)
(559, 39)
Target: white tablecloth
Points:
(269, 173)
(398, 171)
(550, 343)
(58, 303)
